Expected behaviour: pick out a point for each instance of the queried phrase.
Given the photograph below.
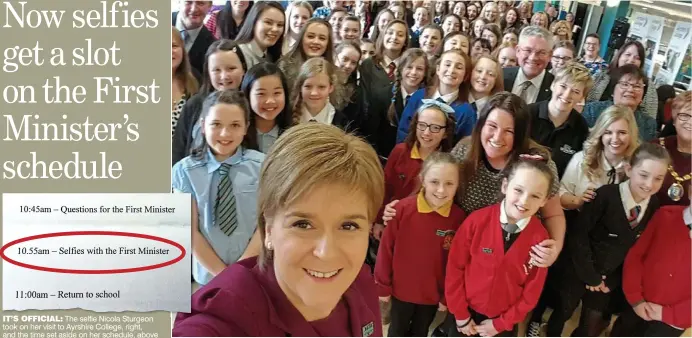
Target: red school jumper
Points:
(412, 256)
(657, 267)
(480, 275)
(400, 174)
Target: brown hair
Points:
(446, 144)
(314, 67)
(463, 87)
(523, 144)
(409, 56)
(379, 44)
(311, 155)
(616, 59)
(650, 151)
(298, 54)
(532, 162)
(184, 71)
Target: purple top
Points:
(244, 301)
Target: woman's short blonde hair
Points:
(573, 73)
(310, 155)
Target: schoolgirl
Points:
(379, 71)
(222, 176)
(506, 54)
(432, 130)
(493, 34)
(656, 277)
(411, 261)
(261, 36)
(298, 13)
(456, 40)
(430, 40)
(421, 17)
(389, 102)
(224, 67)
(493, 280)
(265, 87)
(314, 40)
(605, 230)
(486, 80)
(450, 23)
(440, 11)
(346, 58)
(453, 70)
(317, 95)
(383, 18)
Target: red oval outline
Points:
(92, 233)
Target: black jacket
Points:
(196, 53)
(544, 92)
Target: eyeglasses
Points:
(434, 128)
(684, 117)
(628, 86)
(539, 53)
(562, 58)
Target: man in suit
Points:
(531, 81)
(189, 20)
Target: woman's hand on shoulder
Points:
(545, 253)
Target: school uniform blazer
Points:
(182, 138)
(201, 179)
(463, 113)
(602, 236)
(657, 268)
(544, 92)
(244, 301)
(199, 48)
(381, 133)
(480, 275)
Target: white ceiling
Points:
(673, 10)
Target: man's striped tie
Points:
(225, 213)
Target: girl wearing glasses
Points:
(431, 129)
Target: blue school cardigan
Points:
(464, 115)
(201, 179)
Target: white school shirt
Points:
(574, 180)
(449, 98)
(326, 115)
(521, 224)
(628, 201)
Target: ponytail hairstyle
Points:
(407, 58)
(247, 31)
(231, 97)
(311, 68)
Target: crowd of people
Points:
(465, 151)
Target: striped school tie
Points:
(225, 213)
(634, 214)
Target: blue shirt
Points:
(645, 123)
(201, 179)
(464, 115)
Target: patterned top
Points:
(595, 67)
(485, 188)
(175, 114)
(322, 13)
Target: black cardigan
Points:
(602, 236)
(182, 138)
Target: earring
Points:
(269, 245)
